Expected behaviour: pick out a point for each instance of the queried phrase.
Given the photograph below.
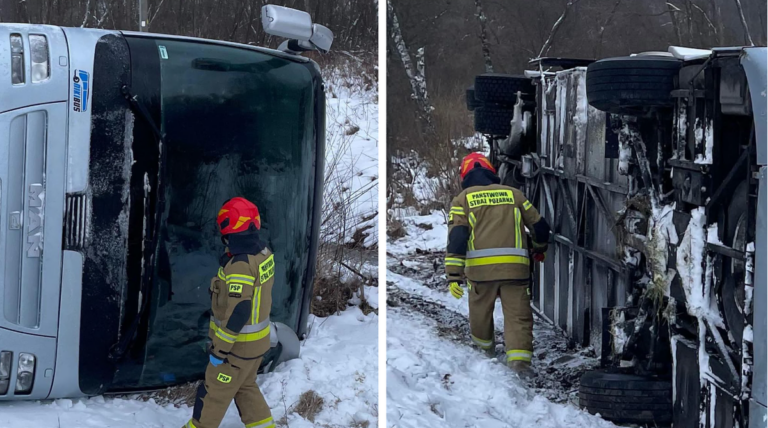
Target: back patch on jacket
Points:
(490, 197)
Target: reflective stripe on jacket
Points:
(241, 299)
(486, 234)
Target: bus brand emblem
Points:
(81, 86)
(35, 224)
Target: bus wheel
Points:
(502, 89)
(626, 398)
(493, 120)
(632, 85)
(733, 279)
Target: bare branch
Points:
(556, 27)
(672, 10)
(604, 26)
(709, 22)
(744, 23)
(157, 9)
(87, 13)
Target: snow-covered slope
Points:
(351, 161)
(434, 382)
(338, 361)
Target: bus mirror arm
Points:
(138, 107)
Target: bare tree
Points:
(484, 36)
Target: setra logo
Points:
(80, 89)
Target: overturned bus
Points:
(651, 170)
(117, 151)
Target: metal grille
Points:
(75, 221)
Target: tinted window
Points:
(237, 123)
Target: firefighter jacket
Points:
(241, 299)
(487, 231)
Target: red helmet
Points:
(469, 162)
(236, 215)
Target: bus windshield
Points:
(237, 123)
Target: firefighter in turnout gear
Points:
(241, 298)
(488, 247)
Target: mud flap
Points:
(284, 338)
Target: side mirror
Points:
(321, 38)
(297, 27)
(286, 22)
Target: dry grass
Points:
(332, 295)
(339, 279)
(395, 228)
(176, 395)
(309, 405)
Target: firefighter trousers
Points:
(235, 379)
(518, 316)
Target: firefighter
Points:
(488, 248)
(241, 298)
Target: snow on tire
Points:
(632, 85)
(494, 88)
(626, 398)
(493, 120)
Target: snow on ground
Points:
(425, 233)
(434, 382)
(436, 379)
(338, 361)
(351, 161)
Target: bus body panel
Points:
(66, 381)
(758, 395)
(82, 43)
(754, 61)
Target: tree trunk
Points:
(673, 10)
(415, 75)
(484, 36)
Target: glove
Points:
(215, 361)
(539, 257)
(456, 289)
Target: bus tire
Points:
(626, 398)
(472, 102)
(493, 120)
(632, 85)
(502, 89)
(733, 291)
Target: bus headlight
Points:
(41, 64)
(6, 358)
(17, 59)
(25, 375)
